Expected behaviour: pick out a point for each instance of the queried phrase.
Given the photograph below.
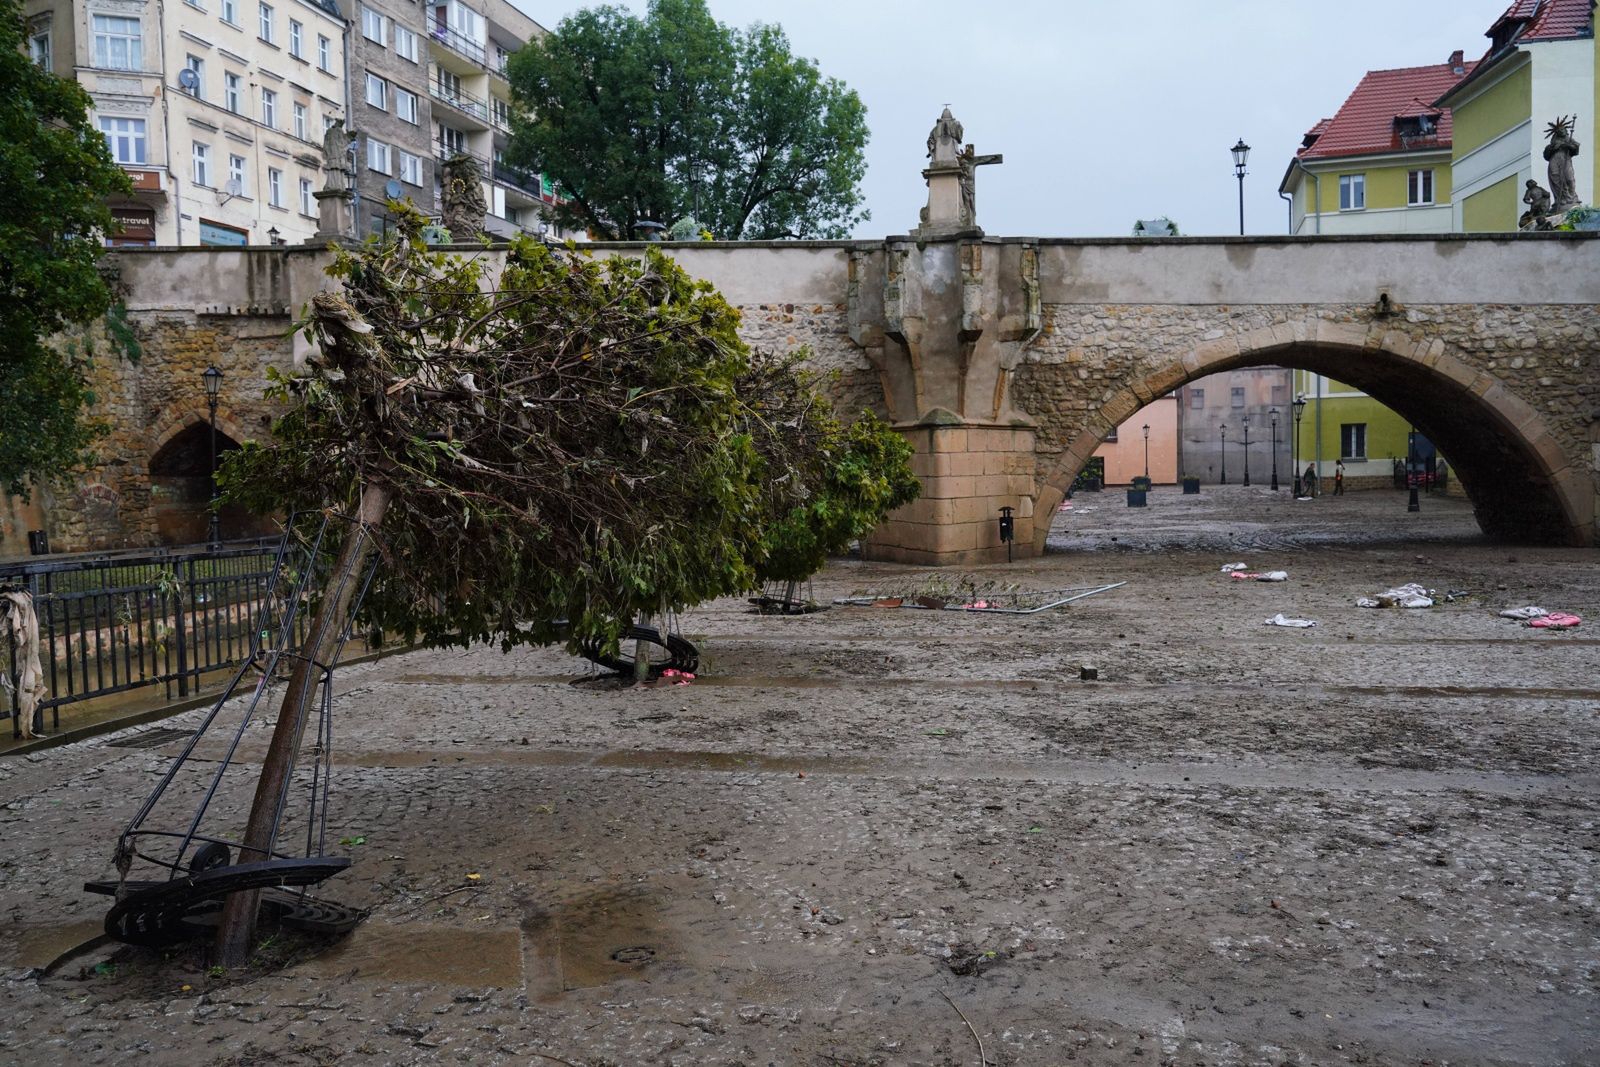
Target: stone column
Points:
(335, 214)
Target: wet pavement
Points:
(1375, 841)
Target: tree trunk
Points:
(236, 932)
(641, 654)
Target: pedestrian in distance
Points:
(1310, 479)
(1338, 478)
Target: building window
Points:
(1419, 187)
(502, 113)
(125, 138)
(202, 164)
(377, 92)
(39, 49)
(308, 201)
(324, 53)
(405, 105)
(451, 141)
(269, 108)
(231, 92)
(117, 43)
(1352, 192)
(501, 58)
(230, 12)
(378, 156)
(198, 65)
(236, 184)
(410, 169)
(1353, 440)
(1280, 394)
(405, 43)
(297, 41)
(1197, 398)
(1111, 438)
(372, 25)
(265, 32)
(300, 129)
(449, 86)
(274, 186)
(1237, 396)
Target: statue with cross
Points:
(952, 194)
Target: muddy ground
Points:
(1373, 841)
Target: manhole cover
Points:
(636, 954)
(153, 738)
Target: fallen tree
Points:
(547, 451)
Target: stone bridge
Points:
(1006, 361)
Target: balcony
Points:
(474, 106)
(528, 183)
(461, 46)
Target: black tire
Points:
(681, 655)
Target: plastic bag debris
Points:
(1411, 595)
(1529, 612)
(1260, 576)
(1281, 619)
(1555, 620)
(1228, 567)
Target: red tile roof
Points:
(1549, 20)
(1366, 122)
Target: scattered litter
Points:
(1529, 612)
(1011, 601)
(1280, 619)
(1260, 576)
(1555, 620)
(1453, 595)
(677, 677)
(1226, 567)
(1403, 596)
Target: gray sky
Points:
(1102, 120)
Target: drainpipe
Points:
(349, 119)
(1318, 429)
(166, 127)
(1288, 202)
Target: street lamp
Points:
(1241, 153)
(1274, 414)
(1412, 504)
(213, 380)
(1294, 461)
(272, 236)
(1224, 429)
(1147, 454)
(1246, 421)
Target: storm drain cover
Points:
(635, 954)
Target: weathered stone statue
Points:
(461, 183)
(336, 169)
(1538, 201)
(1558, 153)
(944, 140)
(952, 192)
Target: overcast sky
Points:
(1106, 112)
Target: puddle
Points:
(423, 955)
(728, 681)
(45, 946)
(610, 936)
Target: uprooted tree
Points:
(548, 447)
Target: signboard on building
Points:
(145, 181)
(215, 233)
(136, 225)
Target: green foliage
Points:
(56, 173)
(676, 114)
(562, 439)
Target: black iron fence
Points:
(115, 622)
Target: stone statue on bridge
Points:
(336, 169)
(951, 174)
(1558, 153)
(1538, 200)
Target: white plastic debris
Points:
(1273, 576)
(1529, 612)
(1227, 567)
(1411, 595)
(1280, 619)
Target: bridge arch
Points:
(1523, 484)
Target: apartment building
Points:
(429, 81)
(215, 108)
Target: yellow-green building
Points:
(1381, 164)
(1540, 66)
(1341, 423)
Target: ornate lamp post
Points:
(1294, 461)
(1241, 153)
(1246, 421)
(213, 380)
(1274, 414)
(1224, 429)
(1412, 475)
(1147, 452)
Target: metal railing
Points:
(117, 622)
(476, 106)
(528, 183)
(465, 46)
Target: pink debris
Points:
(1555, 620)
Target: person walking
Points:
(1310, 479)
(1338, 478)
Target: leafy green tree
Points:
(56, 172)
(676, 114)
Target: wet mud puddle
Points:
(615, 935)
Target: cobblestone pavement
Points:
(1370, 842)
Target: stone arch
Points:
(1523, 483)
(178, 465)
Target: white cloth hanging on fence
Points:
(19, 622)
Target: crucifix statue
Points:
(952, 195)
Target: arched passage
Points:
(180, 486)
(1521, 481)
